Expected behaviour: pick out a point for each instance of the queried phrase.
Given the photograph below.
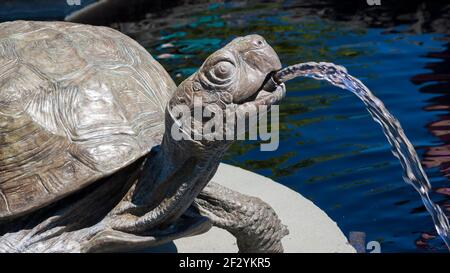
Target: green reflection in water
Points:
(295, 38)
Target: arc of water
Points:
(401, 147)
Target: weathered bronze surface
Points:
(87, 161)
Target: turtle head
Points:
(238, 70)
(232, 78)
(204, 116)
(233, 74)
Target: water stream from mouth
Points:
(401, 147)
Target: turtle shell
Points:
(77, 103)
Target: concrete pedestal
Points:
(311, 230)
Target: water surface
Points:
(330, 150)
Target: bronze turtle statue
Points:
(87, 159)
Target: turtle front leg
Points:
(47, 237)
(253, 222)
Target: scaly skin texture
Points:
(80, 223)
(253, 222)
(183, 167)
(130, 198)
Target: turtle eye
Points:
(258, 43)
(223, 70)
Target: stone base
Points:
(311, 230)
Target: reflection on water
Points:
(330, 150)
(437, 81)
(401, 147)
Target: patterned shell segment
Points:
(77, 103)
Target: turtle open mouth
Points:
(267, 96)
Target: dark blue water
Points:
(330, 149)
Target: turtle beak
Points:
(258, 64)
(268, 60)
